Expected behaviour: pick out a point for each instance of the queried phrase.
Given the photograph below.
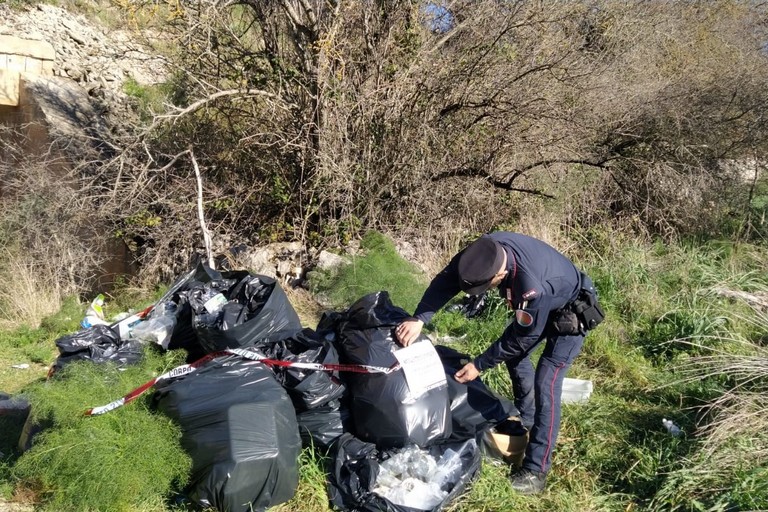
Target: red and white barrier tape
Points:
(185, 369)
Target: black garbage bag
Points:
(321, 426)
(246, 309)
(308, 389)
(471, 306)
(239, 427)
(184, 335)
(357, 468)
(100, 344)
(258, 310)
(14, 411)
(474, 407)
(383, 409)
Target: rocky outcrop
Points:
(97, 59)
(62, 78)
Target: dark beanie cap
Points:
(479, 262)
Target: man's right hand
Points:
(408, 331)
(468, 373)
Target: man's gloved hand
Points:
(408, 331)
(468, 373)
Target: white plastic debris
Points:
(158, 328)
(415, 493)
(414, 478)
(155, 330)
(94, 315)
(673, 429)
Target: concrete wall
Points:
(22, 56)
(18, 108)
(52, 123)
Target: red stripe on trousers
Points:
(551, 418)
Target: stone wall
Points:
(23, 64)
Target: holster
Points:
(582, 314)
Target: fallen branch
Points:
(200, 214)
(760, 301)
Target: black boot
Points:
(526, 481)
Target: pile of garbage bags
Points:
(402, 434)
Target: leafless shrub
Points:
(50, 229)
(317, 120)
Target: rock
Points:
(76, 38)
(65, 106)
(278, 260)
(259, 261)
(284, 268)
(328, 260)
(406, 250)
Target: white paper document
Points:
(422, 367)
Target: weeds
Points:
(380, 267)
(312, 493)
(670, 347)
(28, 294)
(149, 98)
(100, 463)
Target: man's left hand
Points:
(468, 373)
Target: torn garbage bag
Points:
(239, 427)
(401, 480)
(385, 410)
(100, 344)
(218, 310)
(253, 309)
(474, 407)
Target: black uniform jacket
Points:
(540, 280)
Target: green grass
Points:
(149, 98)
(311, 493)
(379, 267)
(129, 459)
(649, 360)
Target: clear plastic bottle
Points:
(673, 429)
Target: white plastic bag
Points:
(155, 330)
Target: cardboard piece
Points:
(507, 441)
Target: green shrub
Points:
(128, 459)
(149, 98)
(379, 268)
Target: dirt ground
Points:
(14, 507)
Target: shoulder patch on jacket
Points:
(524, 318)
(530, 294)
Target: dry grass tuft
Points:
(308, 309)
(28, 294)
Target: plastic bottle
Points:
(126, 324)
(673, 429)
(94, 315)
(97, 307)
